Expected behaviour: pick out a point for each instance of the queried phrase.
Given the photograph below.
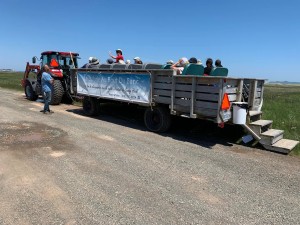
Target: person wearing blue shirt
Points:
(47, 82)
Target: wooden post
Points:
(262, 91)
(253, 93)
(192, 115)
(151, 87)
(173, 112)
(240, 90)
(222, 90)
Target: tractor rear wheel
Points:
(29, 92)
(91, 106)
(57, 92)
(157, 119)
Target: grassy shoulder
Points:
(11, 80)
(281, 104)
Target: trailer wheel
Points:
(29, 92)
(91, 106)
(57, 92)
(157, 119)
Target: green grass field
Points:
(11, 80)
(281, 104)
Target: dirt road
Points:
(66, 168)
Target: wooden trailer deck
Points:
(202, 97)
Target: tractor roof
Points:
(59, 53)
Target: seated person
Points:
(137, 60)
(209, 66)
(218, 63)
(118, 57)
(87, 64)
(109, 61)
(93, 63)
(179, 66)
(170, 62)
(193, 60)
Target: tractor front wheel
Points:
(29, 92)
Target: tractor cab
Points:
(59, 63)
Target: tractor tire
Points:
(57, 92)
(29, 92)
(157, 119)
(91, 106)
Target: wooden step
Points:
(261, 126)
(254, 113)
(254, 116)
(282, 146)
(271, 136)
(261, 123)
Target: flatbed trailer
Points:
(163, 93)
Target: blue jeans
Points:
(47, 100)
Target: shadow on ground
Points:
(200, 132)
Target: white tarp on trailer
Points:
(128, 87)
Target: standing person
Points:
(47, 82)
(209, 66)
(118, 57)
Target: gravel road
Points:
(67, 168)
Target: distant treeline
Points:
(6, 70)
(282, 82)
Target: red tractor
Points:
(60, 64)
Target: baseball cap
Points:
(119, 50)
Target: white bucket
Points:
(239, 112)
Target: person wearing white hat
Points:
(94, 63)
(171, 62)
(137, 60)
(179, 66)
(119, 55)
(92, 60)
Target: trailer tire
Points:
(91, 106)
(57, 92)
(157, 119)
(29, 92)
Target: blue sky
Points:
(257, 38)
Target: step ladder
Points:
(270, 139)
